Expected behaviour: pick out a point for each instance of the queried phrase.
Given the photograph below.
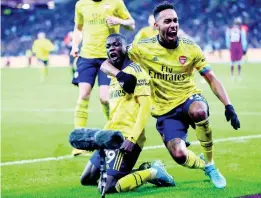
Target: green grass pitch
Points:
(38, 117)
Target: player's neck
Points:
(172, 45)
(124, 62)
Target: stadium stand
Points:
(202, 19)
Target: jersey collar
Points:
(126, 62)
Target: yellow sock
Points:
(133, 180)
(106, 110)
(45, 71)
(204, 135)
(81, 113)
(194, 161)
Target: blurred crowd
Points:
(204, 20)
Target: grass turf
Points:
(37, 118)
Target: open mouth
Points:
(113, 56)
(172, 34)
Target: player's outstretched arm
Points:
(126, 23)
(76, 39)
(222, 95)
(141, 121)
(109, 69)
(128, 81)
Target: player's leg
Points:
(156, 174)
(174, 133)
(44, 69)
(198, 112)
(120, 164)
(91, 172)
(84, 77)
(239, 70)
(29, 61)
(233, 56)
(104, 83)
(71, 62)
(121, 179)
(238, 58)
(232, 70)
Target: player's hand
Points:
(109, 69)
(74, 52)
(232, 116)
(127, 146)
(127, 81)
(244, 52)
(111, 20)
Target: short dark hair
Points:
(162, 6)
(120, 36)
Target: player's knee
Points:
(84, 95)
(198, 111)
(104, 94)
(89, 175)
(199, 115)
(84, 90)
(110, 187)
(85, 180)
(178, 150)
(104, 100)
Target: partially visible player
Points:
(42, 48)
(148, 31)
(182, 33)
(68, 44)
(177, 104)
(94, 20)
(236, 42)
(29, 55)
(130, 108)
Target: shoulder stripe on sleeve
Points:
(148, 40)
(135, 67)
(186, 41)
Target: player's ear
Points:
(156, 26)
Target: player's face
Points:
(116, 50)
(167, 24)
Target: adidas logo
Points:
(155, 58)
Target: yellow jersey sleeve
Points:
(143, 80)
(143, 84)
(200, 62)
(48, 45)
(146, 32)
(78, 18)
(121, 11)
(133, 52)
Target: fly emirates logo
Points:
(167, 74)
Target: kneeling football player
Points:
(130, 108)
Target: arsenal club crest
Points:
(182, 59)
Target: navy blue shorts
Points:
(175, 123)
(45, 62)
(118, 164)
(88, 69)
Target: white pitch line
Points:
(145, 148)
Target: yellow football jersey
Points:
(146, 32)
(42, 48)
(92, 15)
(124, 107)
(171, 71)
